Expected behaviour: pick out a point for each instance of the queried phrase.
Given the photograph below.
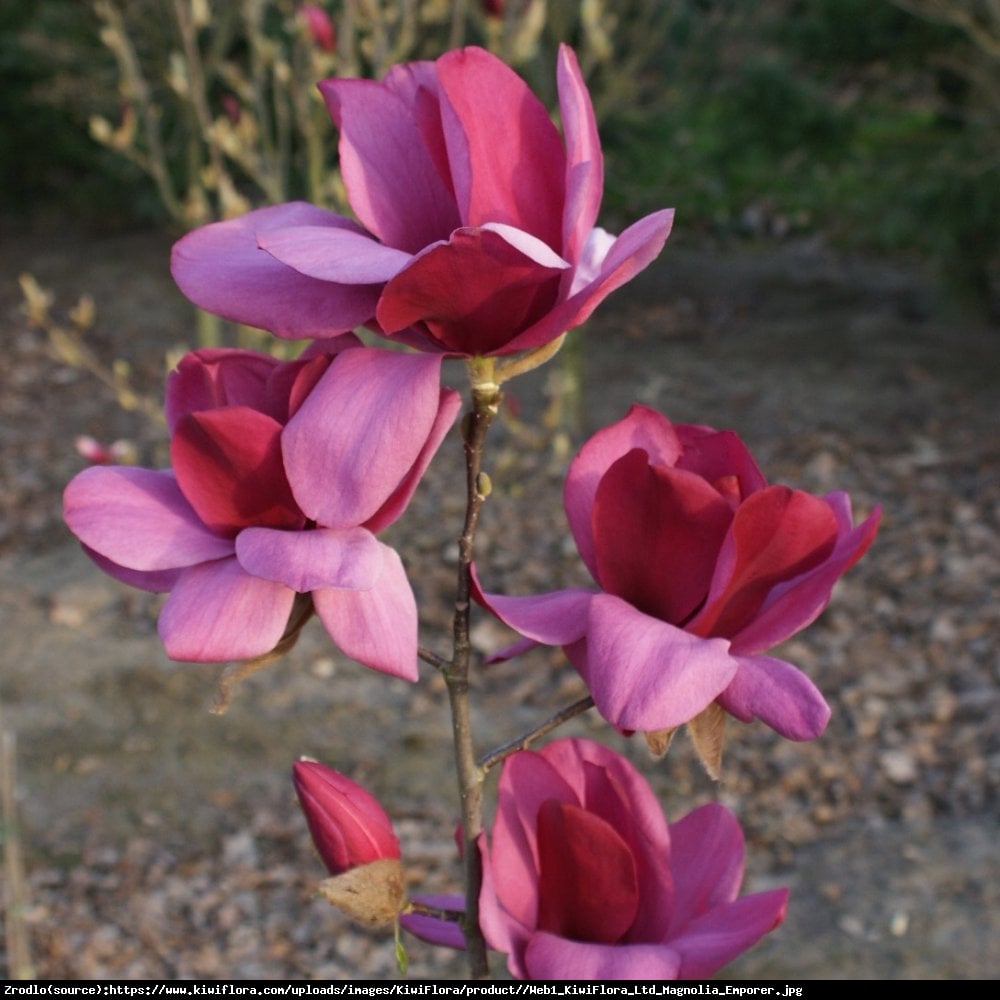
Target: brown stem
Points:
(500, 753)
(485, 403)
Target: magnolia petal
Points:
(779, 694)
(139, 519)
(342, 558)
(217, 612)
(585, 162)
(794, 605)
(392, 181)
(502, 931)
(554, 619)
(221, 268)
(631, 252)
(517, 181)
(359, 433)
(550, 957)
(647, 674)
(157, 581)
(642, 428)
(706, 860)
(436, 930)
(724, 932)
(376, 627)
(331, 254)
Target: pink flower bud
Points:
(348, 825)
(319, 25)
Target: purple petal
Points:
(347, 558)
(393, 184)
(217, 612)
(716, 938)
(646, 674)
(139, 519)
(432, 929)
(220, 268)
(360, 432)
(640, 428)
(376, 627)
(157, 581)
(778, 694)
(332, 254)
(555, 619)
(585, 162)
(706, 860)
(551, 957)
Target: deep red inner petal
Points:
(778, 533)
(657, 533)
(588, 889)
(229, 467)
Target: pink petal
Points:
(777, 534)
(358, 435)
(501, 930)
(157, 581)
(376, 627)
(332, 254)
(220, 268)
(432, 929)
(642, 428)
(343, 558)
(706, 860)
(550, 957)
(778, 694)
(215, 377)
(217, 612)
(646, 674)
(392, 182)
(473, 293)
(716, 938)
(555, 619)
(585, 162)
(517, 181)
(794, 605)
(229, 466)
(718, 456)
(657, 533)
(631, 252)
(139, 519)
(450, 404)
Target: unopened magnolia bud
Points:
(371, 894)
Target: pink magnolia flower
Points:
(347, 823)
(319, 25)
(701, 567)
(282, 474)
(480, 219)
(584, 879)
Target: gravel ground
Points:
(162, 841)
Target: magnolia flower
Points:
(319, 25)
(356, 841)
(701, 567)
(584, 879)
(282, 474)
(479, 219)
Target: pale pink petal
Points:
(139, 519)
(631, 252)
(716, 938)
(157, 581)
(642, 428)
(778, 694)
(348, 558)
(558, 958)
(706, 859)
(376, 627)
(646, 674)
(585, 162)
(332, 254)
(392, 182)
(555, 619)
(220, 268)
(217, 612)
(359, 433)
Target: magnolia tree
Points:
(475, 237)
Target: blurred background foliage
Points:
(871, 122)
